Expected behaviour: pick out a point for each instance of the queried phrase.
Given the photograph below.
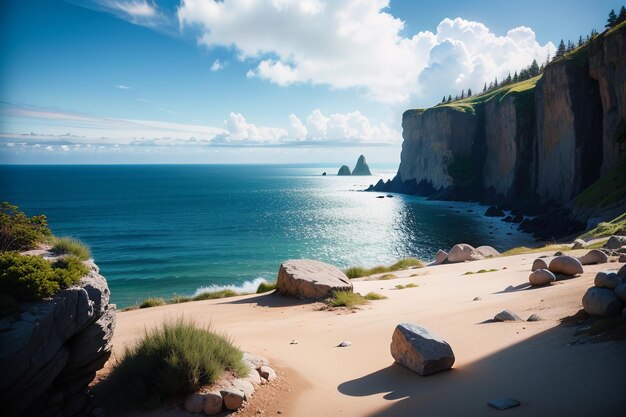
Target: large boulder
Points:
(579, 244)
(620, 291)
(566, 265)
(441, 257)
(344, 171)
(212, 403)
(463, 252)
(487, 252)
(305, 278)
(615, 242)
(494, 211)
(601, 302)
(594, 256)
(607, 279)
(361, 167)
(539, 264)
(622, 273)
(420, 350)
(51, 352)
(541, 277)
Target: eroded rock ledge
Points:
(51, 352)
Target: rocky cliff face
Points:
(50, 354)
(534, 144)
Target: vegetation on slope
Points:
(170, 362)
(70, 246)
(19, 232)
(605, 229)
(608, 190)
(406, 263)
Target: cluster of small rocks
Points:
(562, 266)
(231, 393)
(463, 252)
(508, 315)
(608, 295)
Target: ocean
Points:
(164, 230)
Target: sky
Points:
(251, 81)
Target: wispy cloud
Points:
(137, 8)
(123, 87)
(217, 65)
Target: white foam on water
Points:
(246, 287)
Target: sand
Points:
(541, 364)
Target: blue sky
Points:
(133, 81)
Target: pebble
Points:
(345, 343)
(503, 403)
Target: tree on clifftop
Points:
(534, 68)
(622, 15)
(469, 92)
(610, 22)
(561, 49)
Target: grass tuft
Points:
(346, 299)
(374, 296)
(523, 249)
(212, 295)
(70, 246)
(405, 263)
(266, 287)
(170, 362)
(152, 302)
(387, 277)
(410, 285)
(480, 271)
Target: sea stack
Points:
(344, 170)
(361, 167)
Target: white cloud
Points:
(137, 8)
(123, 87)
(217, 65)
(358, 44)
(296, 129)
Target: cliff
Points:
(534, 146)
(51, 352)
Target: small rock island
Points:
(360, 168)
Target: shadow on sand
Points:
(546, 373)
(272, 299)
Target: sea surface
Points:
(164, 230)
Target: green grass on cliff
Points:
(70, 246)
(605, 229)
(169, 363)
(606, 191)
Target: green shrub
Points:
(19, 232)
(8, 305)
(31, 278)
(170, 362)
(374, 296)
(70, 246)
(481, 271)
(152, 302)
(410, 285)
(215, 294)
(387, 276)
(406, 263)
(266, 287)
(346, 299)
(523, 249)
(179, 299)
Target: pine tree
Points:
(469, 92)
(580, 40)
(462, 93)
(622, 15)
(449, 98)
(533, 70)
(490, 85)
(495, 83)
(610, 22)
(509, 80)
(515, 77)
(485, 88)
(443, 100)
(561, 49)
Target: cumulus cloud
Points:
(359, 44)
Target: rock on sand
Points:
(304, 278)
(420, 350)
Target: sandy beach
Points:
(544, 365)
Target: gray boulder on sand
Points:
(506, 315)
(344, 170)
(594, 256)
(615, 242)
(361, 167)
(487, 251)
(601, 302)
(441, 256)
(420, 350)
(539, 264)
(463, 252)
(212, 403)
(233, 398)
(607, 279)
(620, 291)
(565, 265)
(579, 244)
(541, 277)
(305, 278)
(194, 402)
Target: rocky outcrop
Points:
(50, 354)
(344, 170)
(361, 167)
(533, 148)
(304, 278)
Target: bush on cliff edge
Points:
(170, 362)
(20, 232)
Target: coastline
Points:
(527, 361)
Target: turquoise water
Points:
(159, 230)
